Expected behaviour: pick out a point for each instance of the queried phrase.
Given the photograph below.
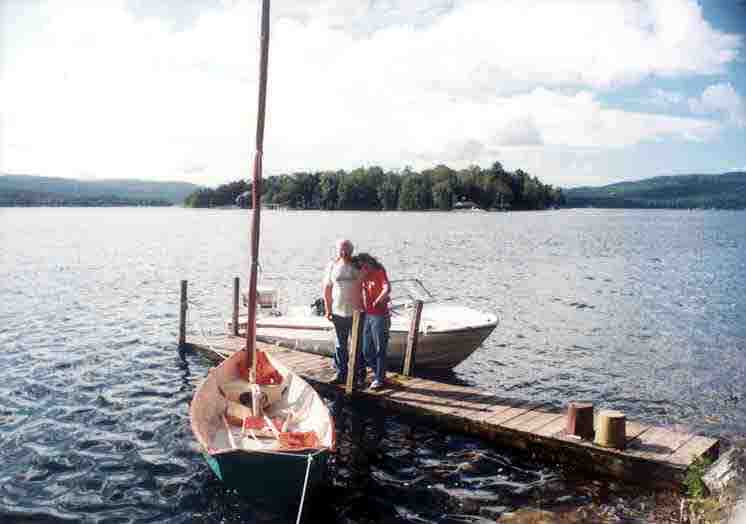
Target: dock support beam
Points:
(412, 337)
(182, 313)
(236, 286)
(356, 340)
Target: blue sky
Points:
(576, 92)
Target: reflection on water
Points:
(640, 311)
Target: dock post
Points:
(355, 342)
(580, 420)
(236, 285)
(611, 430)
(182, 313)
(412, 337)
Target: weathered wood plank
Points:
(657, 443)
(183, 304)
(293, 363)
(421, 397)
(412, 338)
(505, 415)
(634, 430)
(311, 367)
(698, 446)
(552, 428)
(531, 419)
(499, 410)
(460, 405)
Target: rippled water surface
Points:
(642, 311)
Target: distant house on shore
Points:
(244, 201)
(466, 205)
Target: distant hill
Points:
(726, 191)
(27, 190)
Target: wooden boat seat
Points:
(240, 391)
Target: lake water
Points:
(642, 311)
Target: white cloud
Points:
(519, 132)
(663, 98)
(98, 88)
(721, 99)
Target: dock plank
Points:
(657, 443)
(633, 430)
(551, 428)
(532, 419)
(504, 415)
(698, 446)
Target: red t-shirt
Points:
(373, 284)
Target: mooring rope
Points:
(305, 487)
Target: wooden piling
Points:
(182, 313)
(580, 420)
(356, 341)
(611, 429)
(412, 337)
(236, 286)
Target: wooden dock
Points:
(652, 456)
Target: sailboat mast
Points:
(257, 189)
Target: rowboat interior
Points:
(292, 418)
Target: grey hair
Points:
(367, 259)
(344, 242)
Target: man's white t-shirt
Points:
(344, 279)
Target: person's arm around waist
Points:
(384, 294)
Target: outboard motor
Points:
(317, 307)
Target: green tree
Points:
(443, 195)
(415, 192)
(328, 196)
(388, 191)
(307, 194)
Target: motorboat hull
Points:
(436, 351)
(443, 342)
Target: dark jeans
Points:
(376, 343)
(343, 328)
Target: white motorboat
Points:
(449, 333)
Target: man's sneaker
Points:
(376, 384)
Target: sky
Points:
(575, 92)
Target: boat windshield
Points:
(407, 290)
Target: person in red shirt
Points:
(375, 294)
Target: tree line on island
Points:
(373, 188)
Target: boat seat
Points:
(240, 391)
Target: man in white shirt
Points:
(341, 299)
